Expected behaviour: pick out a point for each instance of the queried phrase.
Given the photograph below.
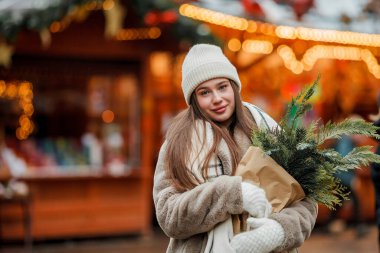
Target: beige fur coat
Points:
(186, 217)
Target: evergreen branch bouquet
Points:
(297, 149)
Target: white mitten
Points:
(254, 200)
(256, 222)
(264, 239)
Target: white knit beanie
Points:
(204, 62)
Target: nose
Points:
(217, 98)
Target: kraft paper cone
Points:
(280, 187)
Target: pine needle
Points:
(298, 149)
(346, 127)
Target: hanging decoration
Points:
(154, 17)
(45, 37)
(301, 7)
(114, 19)
(5, 54)
(164, 14)
(252, 8)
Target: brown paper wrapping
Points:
(280, 187)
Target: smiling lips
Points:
(220, 110)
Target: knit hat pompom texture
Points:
(202, 63)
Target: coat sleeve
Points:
(183, 214)
(298, 221)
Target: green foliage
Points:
(298, 149)
(348, 126)
(35, 19)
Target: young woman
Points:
(195, 190)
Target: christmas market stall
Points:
(88, 88)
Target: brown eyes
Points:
(205, 91)
(222, 87)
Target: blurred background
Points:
(88, 88)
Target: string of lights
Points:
(352, 41)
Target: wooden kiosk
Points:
(75, 81)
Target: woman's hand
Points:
(254, 201)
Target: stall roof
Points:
(353, 15)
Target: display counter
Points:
(68, 206)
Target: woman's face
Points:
(216, 99)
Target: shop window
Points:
(86, 118)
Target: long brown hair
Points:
(179, 140)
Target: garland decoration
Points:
(36, 17)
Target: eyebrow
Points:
(222, 82)
(217, 84)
